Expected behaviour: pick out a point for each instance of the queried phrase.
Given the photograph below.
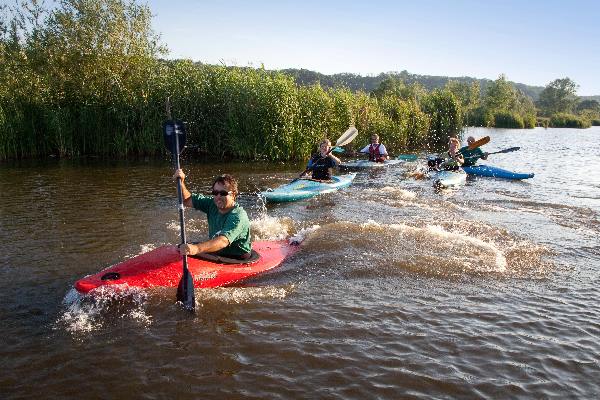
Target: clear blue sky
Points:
(532, 42)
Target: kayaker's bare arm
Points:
(210, 246)
(187, 196)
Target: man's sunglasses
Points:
(223, 193)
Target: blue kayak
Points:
(306, 188)
(448, 179)
(495, 172)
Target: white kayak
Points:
(448, 179)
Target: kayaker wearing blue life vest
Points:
(322, 163)
(471, 156)
(376, 150)
(228, 223)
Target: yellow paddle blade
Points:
(480, 142)
(347, 136)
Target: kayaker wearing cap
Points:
(322, 163)
(471, 156)
(228, 223)
(376, 150)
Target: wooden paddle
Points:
(174, 135)
(480, 142)
(343, 140)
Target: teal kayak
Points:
(366, 164)
(407, 157)
(448, 179)
(495, 172)
(306, 188)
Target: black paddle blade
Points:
(170, 129)
(185, 291)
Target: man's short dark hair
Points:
(228, 180)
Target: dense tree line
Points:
(91, 77)
(498, 103)
(357, 82)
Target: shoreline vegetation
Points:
(90, 77)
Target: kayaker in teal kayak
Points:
(228, 223)
(472, 156)
(322, 163)
(375, 150)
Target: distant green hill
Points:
(597, 98)
(368, 83)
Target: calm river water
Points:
(398, 291)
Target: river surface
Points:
(398, 291)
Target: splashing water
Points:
(244, 295)
(303, 234)
(271, 228)
(87, 313)
(470, 252)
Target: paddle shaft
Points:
(509, 150)
(180, 206)
(185, 289)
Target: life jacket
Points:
(374, 154)
(321, 167)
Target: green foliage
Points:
(469, 97)
(559, 96)
(367, 84)
(396, 87)
(529, 121)
(543, 121)
(592, 105)
(508, 120)
(481, 116)
(86, 78)
(563, 120)
(501, 96)
(444, 114)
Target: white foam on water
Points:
(270, 228)
(396, 191)
(465, 240)
(458, 244)
(303, 234)
(242, 295)
(89, 312)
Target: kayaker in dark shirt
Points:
(472, 156)
(322, 163)
(228, 223)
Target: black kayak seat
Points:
(254, 256)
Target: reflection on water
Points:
(489, 290)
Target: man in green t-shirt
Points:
(471, 156)
(228, 223)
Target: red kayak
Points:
(162, 267)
